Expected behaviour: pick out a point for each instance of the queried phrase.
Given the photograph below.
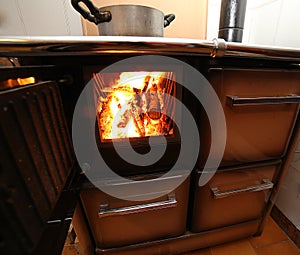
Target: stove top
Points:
(93, 45)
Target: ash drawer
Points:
(115, 222)
(260, 108)
(232, 196)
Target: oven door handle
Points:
(240, 101)
(266, 184)
(105, 211)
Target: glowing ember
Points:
(25, 81)
(11, 83)
(132, 105)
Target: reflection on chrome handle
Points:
(105, 211)
(267, 184)
(239, 101)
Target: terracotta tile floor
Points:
(273, 241)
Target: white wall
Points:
(273, 22)
(38, 17)
(213, 18)
(267, 22)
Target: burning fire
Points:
(25, 81)
(132, 106)
(11, 83)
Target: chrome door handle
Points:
(267, 184)
(240, 101)
(105, 211)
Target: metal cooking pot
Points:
(125, 20)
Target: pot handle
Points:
(168, 19)
(94, 15)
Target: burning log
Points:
(138, 121)
(146, 83)
(154, 107)
(167, 124)
(125, 118)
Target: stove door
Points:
(36, 159)
(260, 108)
(233, 196)
(115, 222)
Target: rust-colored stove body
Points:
(259, 90)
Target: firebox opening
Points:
(135, 104)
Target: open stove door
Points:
(36, 160)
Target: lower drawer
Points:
(115, 222)
(232, 196)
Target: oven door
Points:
(260, 108)
(233, 196)
(115, 222)
(36, 158)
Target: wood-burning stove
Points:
(255, 85)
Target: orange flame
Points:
(132, 106)
(11, 83)
(25, 81)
